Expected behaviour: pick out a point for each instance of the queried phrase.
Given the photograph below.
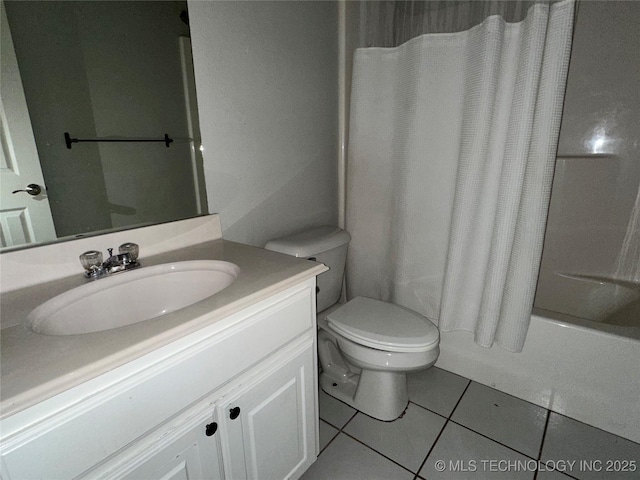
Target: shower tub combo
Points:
(586, 368)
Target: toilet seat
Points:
(383, 326)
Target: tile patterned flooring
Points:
(458, 429)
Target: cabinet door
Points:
(190, 452)
(190, 457)
(269, 425)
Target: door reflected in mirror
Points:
(118, 74)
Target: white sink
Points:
(131, 297)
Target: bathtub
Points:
(600, 298)
(584, 369)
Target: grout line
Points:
(369, 447)
(328, 443)
(442, 429)
(349, 421)
(325, 421)
(428, 410)
(595, 428)
(450, 372)
(560, 472)
(507, 446)
(459, 399)
(449, 419)
(379, 453)
(338, 400)
(544, 434)
(521, 399)
(485, 436)
(320, 419)
(549, 410)
(376, 451)
(492, 439)
(332, 438)
(432, 446)
(511, 395)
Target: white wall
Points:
(267, 86)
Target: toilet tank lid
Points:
(308, 243)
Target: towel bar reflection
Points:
(68, 140)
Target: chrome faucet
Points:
(95, 268)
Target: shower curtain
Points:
(451, 151)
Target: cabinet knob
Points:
(234, 413)
(211, 429)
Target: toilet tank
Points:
(327, 245)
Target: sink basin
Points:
(131, 297)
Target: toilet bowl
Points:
(366, 347)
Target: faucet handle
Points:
(131, 249)
(110, 250)
(91, 260)
(92, 263)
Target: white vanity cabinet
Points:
(235, 400)
(260, 427)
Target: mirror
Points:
(117, 76)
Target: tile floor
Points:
(457, 429)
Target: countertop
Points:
(35, 367)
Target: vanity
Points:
(225, 387)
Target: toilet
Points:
(366, 347)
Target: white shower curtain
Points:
(451, 152)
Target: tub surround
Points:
(37, 367)
(589, 267)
